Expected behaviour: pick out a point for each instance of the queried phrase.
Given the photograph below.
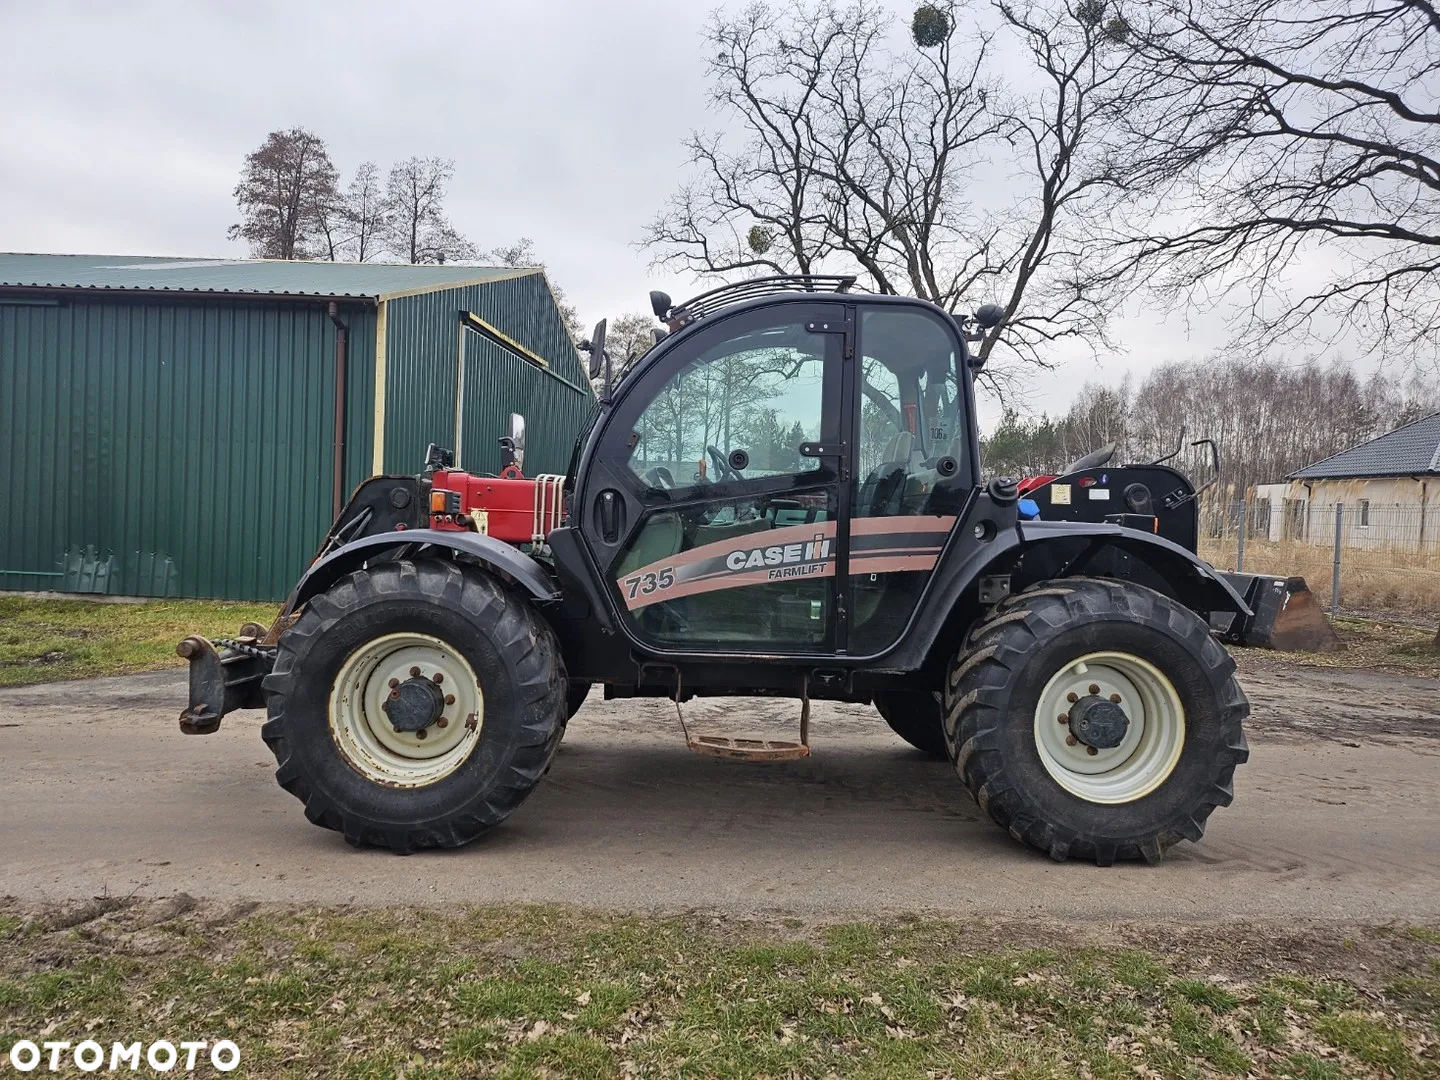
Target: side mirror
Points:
(596, 345)
(989, 316)
(660, 304)
(517, 439)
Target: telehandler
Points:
(781, 497)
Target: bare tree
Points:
(286, 189)
(1268, 418)
(1041, 259)
(419, 230)
(367, 214)
(331, 228)
(1291, 149)
(630, 336)
(858, 156)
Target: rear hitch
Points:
(222, 680)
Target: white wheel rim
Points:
(362, 731)
(1153, 740)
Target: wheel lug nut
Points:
(442, 722)
(449, 699)
(439, 677)
(1070, 740)
(421, 734)
(1089, 749)
(415, 672)
(1063, 718)
(394, 683)
(1115, 698)
(1072, 697)
(1094, 688)
(394, 693)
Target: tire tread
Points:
(515, 628)
(982, 679)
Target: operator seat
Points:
(887, 480)
(660, 537)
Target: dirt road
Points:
(1335, 816)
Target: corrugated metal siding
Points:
(498, 383)
(422, 375)
(158, 449)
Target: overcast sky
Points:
(124, 127)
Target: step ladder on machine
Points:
(751, 750)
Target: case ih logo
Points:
(792, 551)
(784, 558)
(880, 545)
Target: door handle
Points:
(822, 450)
(609, 514)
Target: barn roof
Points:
(1412, 450)
(252, 277)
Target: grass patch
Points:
(1199, 992)
(1373, 1041)
(53, 639)
(534, 991)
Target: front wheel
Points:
(1096, 719)
(414, 705)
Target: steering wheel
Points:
(722, 467)
(659, 477)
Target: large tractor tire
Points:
(1096, 719)
(415, 705)
(917, 716)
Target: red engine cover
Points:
(515, 509)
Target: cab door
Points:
(714, 499)
(914, 463)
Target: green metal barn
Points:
(168, 427)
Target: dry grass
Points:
(549, 992)
(1370, 645)
(1370, 579)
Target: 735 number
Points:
(649, 583)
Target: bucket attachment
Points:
(1301, 625)
(1286, 616)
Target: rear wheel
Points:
(1096, 719)
(415, 705)
(917, 717)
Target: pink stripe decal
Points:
(752, 558)
(785, 554)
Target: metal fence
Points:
(1357, 558)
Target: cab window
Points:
(758, 392)
(909, 414)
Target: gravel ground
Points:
(1334, 816)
